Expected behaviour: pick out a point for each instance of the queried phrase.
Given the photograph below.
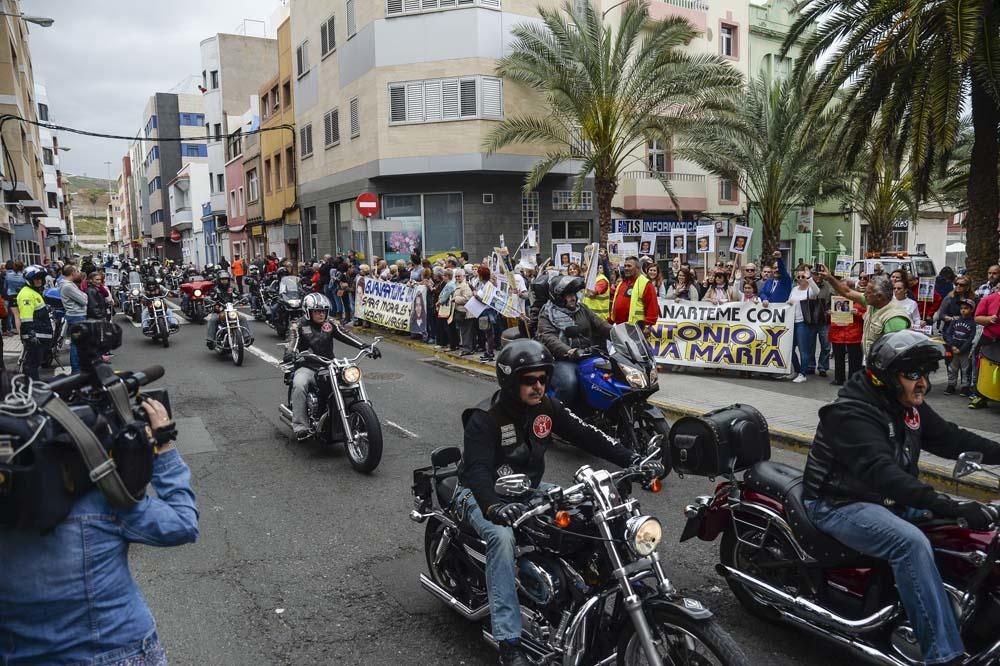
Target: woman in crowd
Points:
(846, 341)
(750, 292)
(461, 296)
(653, 273)
(719, 291)
(14, 280)
(900, 293)
(805, 337)
(97, 301)
(486, 322)
(683, 289)
(949, 310)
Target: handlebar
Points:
(323, 359)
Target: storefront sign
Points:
(654, 226)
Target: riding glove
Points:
(375, 353)
(505, 514)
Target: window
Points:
(286, 93)
(194, 150)
(233, 210)
(445, 99)
(156, 217)
(253, 186)
(220, 182)
(218, 131)
(726, 190)
(302, 58)
(241, 202)
(727, 40)
(290, 165)
(154, 184)
(47, 156)
(401, 7)
(53, 199)
(235, 148)
(306, 141)
(204, 79)
(275, 100)
(331, 128)
(267, 176)
(355, 118)
(214, 76)
(152, 156)
(277, 172)
(327, 36)
(265, 106)
(529, 211)
(211, 182)
(150, 125)
(656, 156)
(563, 200)
(352, 26)
(43, 112)
(192, 119)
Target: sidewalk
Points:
(791, 410)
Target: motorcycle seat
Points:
(445, 488)
(826, 550)
(772, 479)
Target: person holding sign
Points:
(634, 300)
(883, 315)
(846, 339)
(778, 286)
(598, 299)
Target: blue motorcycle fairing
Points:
(597, 392)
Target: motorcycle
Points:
(157, 325)
(232, 336)
(590, 581)
(782, 568)
(615, 387)
(287, 307)
(255, 295)
(340, 393)
(130, 297)
(194, 291)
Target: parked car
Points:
(919, 265)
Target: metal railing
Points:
(695, 5)
(673, 176)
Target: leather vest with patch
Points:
(524, 436)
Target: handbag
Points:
(484, 323)
(444, 311)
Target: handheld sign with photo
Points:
(925, 290)
(647, 245)
(704, 235)
(563, 259)
(590, 265)
(531, 237)
(741, 239)
(614, 247)
(575, 258)
(841, 311)
(843, 266)
(870, 266)
(678, 241)
(629, 250)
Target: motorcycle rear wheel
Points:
(446, 575)
(366, 452)
(681, 641)
(735, 553)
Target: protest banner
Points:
(870, 266)
(563, 258)
(678, 241)
(503, 300)
(385, 303)
(841, 311)
(735, 336)
(591, 264)
(647, 245)
(842, 268)
(741, 239)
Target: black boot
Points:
(511, 654)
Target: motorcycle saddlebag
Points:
(732, 438)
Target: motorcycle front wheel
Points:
(164, 334)
(681, 641)
(236, 349)
(365, 453)
(642, 427)
(136, 315)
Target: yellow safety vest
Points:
(636, 308)
(600, 305)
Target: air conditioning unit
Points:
(487, 199)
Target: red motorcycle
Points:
(194, 291)
(782, 568)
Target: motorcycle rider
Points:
(314, 332)
(153, 288)
(222, 292)
(861, 485)
(273, 289)
(508, 433)
(36, 321)
(567, 328)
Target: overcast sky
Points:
(102, 59)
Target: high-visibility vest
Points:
(636, 308)
(600, 305)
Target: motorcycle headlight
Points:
(654, 376)
(294, 302)
(159, 280)
(135, 292)
(635, 377)
(351, 374)
(197, 292)
(157, 303)
(643, 534)
(232, 315)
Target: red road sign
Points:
(367, 204)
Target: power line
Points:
(101, 135)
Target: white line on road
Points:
(264, 355)
(402, 429)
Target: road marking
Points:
(403, 430)
(264, 355)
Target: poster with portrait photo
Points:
(575, 258)
(678, 241)
(704, 238)
(722, 227)
(563, 259)
(842, 268)
(741, 239)
(925, 289)
(647, 245)
(418, 311)
(614, 248)
(629, 250)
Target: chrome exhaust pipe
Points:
(286, 414)
(818, 614)
(476, 615)
(859, 648)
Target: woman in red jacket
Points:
(846, 341)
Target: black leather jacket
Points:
(306, 335)
(221, 294)
(867, 448)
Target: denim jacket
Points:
(68, 597)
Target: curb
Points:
(939, 476)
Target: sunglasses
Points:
(531, 380)
(914, 375)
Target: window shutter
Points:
(355, 118)
(331, 34)
(444, 4)
(469, 103)
(492, 97)
(411, 6)
(465, 3)
(324, 42)
(300, 60)
(415, 102)
(393, 7)
(303, 145)
(449, 98)
(327, 128)
(351, 20)
(429, 4)
(309, 135)
(493, 4)
(397, 104)
(432, 100)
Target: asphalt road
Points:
(301, 560)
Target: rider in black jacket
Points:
(861, 482)
(222, 292)
(315, 333)
(509, 433)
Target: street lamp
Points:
(43, 21)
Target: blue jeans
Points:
(877, 532)
(501, 569)
(823, 334)
(564, 382)
(804, 350)
(74, 355)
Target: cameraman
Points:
(67, 596)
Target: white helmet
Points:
(313, 302)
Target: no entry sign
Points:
(367, 205)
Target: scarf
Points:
(560, 317)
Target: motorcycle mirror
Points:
(967, 463)
(512, 485)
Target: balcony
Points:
(642, 190)
(695, 11)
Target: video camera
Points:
(59, 440)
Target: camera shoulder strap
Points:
(101, 467)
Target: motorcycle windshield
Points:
(134, 279)
(289, 286)
(628, 341)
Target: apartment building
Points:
(233, 66)
(22, 175)
(396, 97)
(57, 237)
(253, 242)
(277, 157)
(186, 191)
(236, 203)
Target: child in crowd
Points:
(958, 338)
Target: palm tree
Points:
(881, 194)
(769, 149)
(608, 92)
(911, 69)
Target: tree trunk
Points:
(606, 188)
(879, 233)
(770, 223)
(982, 238)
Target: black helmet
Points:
(561, 286)
(903, 351)
(520, 356)
(540, 288)
(282, 272)
(222, 275)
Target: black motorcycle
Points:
(233, 335)
(287, 305)
(157, 324)
(589, 577)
